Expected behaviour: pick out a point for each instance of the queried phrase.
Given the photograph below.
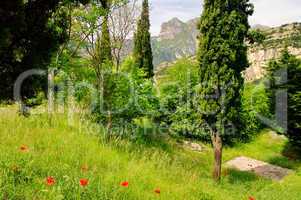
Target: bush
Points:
(255, 103)
(285, 75)
(129, 96)
(37, 100)
(176, 85)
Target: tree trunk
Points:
(50, 91)
(110, 123)
(118, 62)
(218, 148)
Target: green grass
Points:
(60, 151)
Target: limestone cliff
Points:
(286, 36)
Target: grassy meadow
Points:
(33, 149)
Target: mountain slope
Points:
(178, 39)
(278, 38)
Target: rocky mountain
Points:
(278, 38)
(178, 39)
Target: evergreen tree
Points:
(103, 64)
(105, 41)
(222, 57)
(285, 75)
(142, 41)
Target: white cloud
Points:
(267, 12)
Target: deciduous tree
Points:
(123, 21)
(30, 32)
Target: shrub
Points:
(255, 103)
(285, 75)
(131, 97)
(176, 85)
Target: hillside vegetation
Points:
(31, 150)
(86, 112)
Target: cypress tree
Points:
(105, 49)
(142, 42)
(106, 61)
(222, 57)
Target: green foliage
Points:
(179, 113)
(37, 100)
(255, 105)
(285, 74)
(131, 96)
(256, 37)
(105, 50)
(222, 57)
(30, 32)
(142, 42)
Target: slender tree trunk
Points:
(218, 148)
(71, 102)
(110, 123)
(118, 63)
(51, 94)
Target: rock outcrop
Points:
(176, 40)
(279, 38)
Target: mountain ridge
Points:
(178, 39)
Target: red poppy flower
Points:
(252, 198)
(24, 148)
(83, 182)
(124, 184)
(158, 191)
(50, 181)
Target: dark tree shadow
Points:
(240, 177)
(285, 162)
(292, 152)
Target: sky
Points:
(267, 12)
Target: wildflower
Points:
(124, 184)
(252, 198)
(158, 191)
(50, 181)
(24, 148)
(83, 182)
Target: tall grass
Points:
(69, 153)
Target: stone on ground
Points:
(259, 168)
(193, 146)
